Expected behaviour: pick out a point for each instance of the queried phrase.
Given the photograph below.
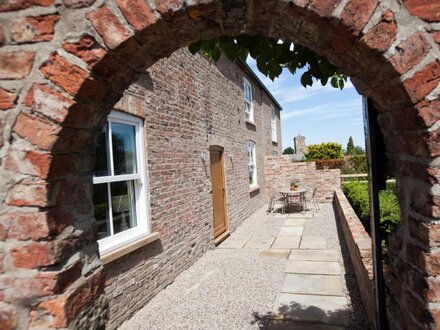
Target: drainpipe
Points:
(375, 149)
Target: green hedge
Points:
(357, 195)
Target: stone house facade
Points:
(188, 105)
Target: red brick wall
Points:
(86, 53)
(282, 170)
(359, 247)
(188, 104)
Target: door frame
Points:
(225, 234)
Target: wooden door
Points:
(218, 192)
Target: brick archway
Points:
(63, 67)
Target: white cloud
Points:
(289, 94)
(326, 111)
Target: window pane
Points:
(123, 206)
(124, 149)
(247, 115)
(100, 202)
(101, 156)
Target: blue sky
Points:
(321, 114)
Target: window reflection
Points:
(124, 149)
(101, 156)
(100, 203)
(123, 202)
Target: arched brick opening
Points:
(63, 67)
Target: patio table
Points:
(300, 192)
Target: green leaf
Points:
(215, 54)
(262, 65)
(341, 83)
(243, 54)
(272, 56)
(334, 82)
(195, 47)
(306, 79)
(274, 70)
(229, 47)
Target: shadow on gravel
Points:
(287, 316)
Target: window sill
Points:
(250, 123)
(130, 247)
(274, 142)
(254, 188)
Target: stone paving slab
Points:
(286, 242)
(313, 242)
(313, 284)
(295, 222)
(300, 216)
(291, 231)
(274, 253)
(312, 308)
(259, 243)
(290, 325)
(314, 255)
(313, 267)
(234, 243)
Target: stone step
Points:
(300, 216)
(290, 231)
(314, 255)
(312, 308)
(274, 253)
(291, 325)
(259, 243)
(234, 242)
(295, 222)
(286, 242)
(313, 284)
(313, 243)
(314, 267)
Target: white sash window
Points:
(273, 124)
(252, 164)
(119, 182)
(248, 106)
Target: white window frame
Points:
(142, 227)
(252, 161)
(249, 107)
(273, 124)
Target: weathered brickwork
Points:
(359, 247)
(189, 104)
(281, 170)
(86, 53)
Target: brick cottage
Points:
(202, 128)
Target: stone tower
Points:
(300, 145)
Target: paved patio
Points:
(274, 272)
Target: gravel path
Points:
(231, 288)
(222, 290)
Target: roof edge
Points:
(262, 85)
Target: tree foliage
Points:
(272, 56)
(327, 150)
(356, 164)
(288, 151)
(350, 147)
(358, 150)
